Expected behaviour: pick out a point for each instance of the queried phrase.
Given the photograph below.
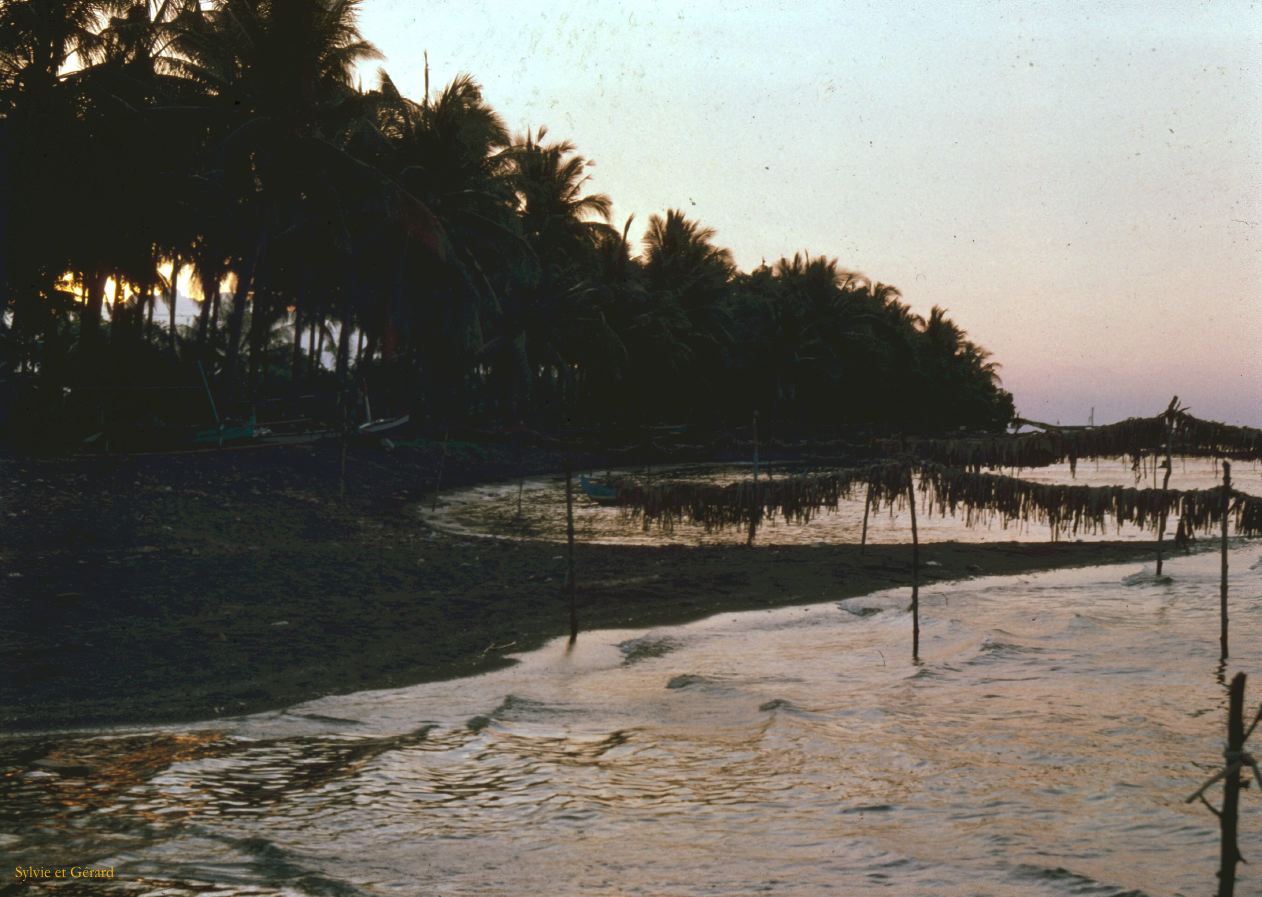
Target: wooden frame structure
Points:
(948, 474)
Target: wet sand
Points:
(163, 588)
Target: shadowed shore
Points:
(178, 587)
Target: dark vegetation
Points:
(355, 239)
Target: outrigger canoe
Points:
(226, 433)
(601, 493)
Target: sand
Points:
(163, 588)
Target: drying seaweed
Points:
(1136, 438)
(1193, 436)
(1072, 509)
(982, 498)
(795, 499)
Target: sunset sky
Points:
(1081, 187)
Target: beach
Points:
(177, 587)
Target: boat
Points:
(601, 493)
(303, 431)
(226, 433)
(383, 425)
(272, 436)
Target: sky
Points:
(1079, 184)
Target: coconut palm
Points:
(451, 151)
(134, 63)
(39, 39)
(562, 221)
(680, 255)
(281, 81)
(681, 261)
(548, 320)
(39, 42)
(229, 137)
(120, 91)
(686, 272)
(962, 387)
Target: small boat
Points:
(383, 425)
(301, 432)
(601, 493)
(225, 433)
(270, 436)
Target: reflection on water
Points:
(1043, 747)
(535, 509)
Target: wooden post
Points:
(1229, 853)
(214, 409)
(867, 504)
(1161, 530)
(442, 463)
(754, 511)
(648, 451)
(341, 488)
(915, 568)
(569, 540)
(755, 446)
(346, 436)
(521, 472)
(1222, 587)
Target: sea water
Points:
(1044, 745)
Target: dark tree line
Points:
(340, 235)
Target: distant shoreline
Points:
(181, 588)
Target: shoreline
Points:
(153, 591)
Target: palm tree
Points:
(680, 255)
(39, 42)
(681, 261)
(276, 75)
(556, 212)
(39, 39)
(139, 46)
(314, 221)
(686, 272)
(963, 384)
(451, 151)
(813, 340)
(545, 319)
(229, 136)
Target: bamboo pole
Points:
(1222, 587)
(214, 409)
(442, 463)
(754, 515)
(755, 446)
(915, 569)
(867, 505)
(341, 481)
(648, 451)
(346, 435)
(1228, 817)
(311, 348)
(569, 540)
(1161, 529)
(521, 472)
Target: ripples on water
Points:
(1043, 747)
